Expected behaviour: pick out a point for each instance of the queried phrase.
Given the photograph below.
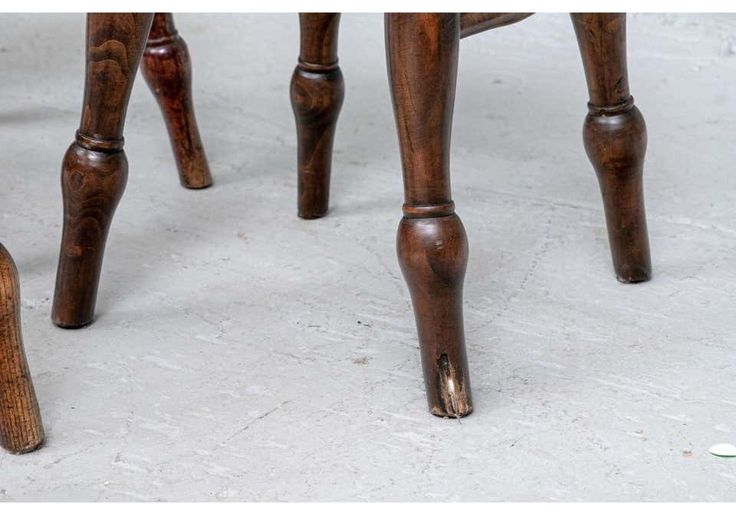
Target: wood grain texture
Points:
(422, 53)
(615, 138)
(167, 68)
(21, 429)
(317, 92)
(95, 169)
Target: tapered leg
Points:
(20, 420)
(317, 92)
(422, 51)
(615, 140)
(168, 71)
(95, 169)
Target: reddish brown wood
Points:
(615, 140)
(95, 169)
(422, 51)
(21, 429)
(317, 91)
(167, 68)
(473, 23)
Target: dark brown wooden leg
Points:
(422, 51)
(168, 71)
(21, 429)
(317, 92)
(95, 169)
(615, 139)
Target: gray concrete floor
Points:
(241, 353)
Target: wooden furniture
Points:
(93, 177)
(422, 51)
(95, 169)
(21, 429)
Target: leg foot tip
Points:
(196, 185)
(198, 180)
(441, 412)
(71, 324)
(451, 398)
(311, 215)
(634, 276)
(25, 449)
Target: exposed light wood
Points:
(422, 51)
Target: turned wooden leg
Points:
(168, 71)
(95, 169)
(422, 51)
(615, 140)
(317, 92)
(21, 429)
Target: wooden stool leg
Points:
(317, 92)
(422, 52)
(21, 429)
(95, 169)
(168, 71)
(615, 140)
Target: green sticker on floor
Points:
(723, 450)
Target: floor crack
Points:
(247, 426)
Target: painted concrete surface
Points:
(243, 354)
